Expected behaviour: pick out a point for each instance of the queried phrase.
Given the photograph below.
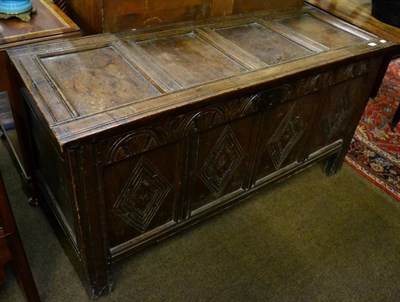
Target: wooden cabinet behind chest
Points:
(112, 16)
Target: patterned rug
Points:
(375, 149)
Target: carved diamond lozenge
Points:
(340, 112)
(221, 164)
(142, 195)
(285, 137)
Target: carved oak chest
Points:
(139, 134)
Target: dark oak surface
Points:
(95, 77)
(137, 135)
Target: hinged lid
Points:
(85, 86)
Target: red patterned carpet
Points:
(375, 149)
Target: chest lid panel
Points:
(88, 85)
(96, 80)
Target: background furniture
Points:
(11, 248)
(47, 24)
(113, 16)
(61, 4)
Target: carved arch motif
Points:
(266, 99)
(134, 143)
(202, 120)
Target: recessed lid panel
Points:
(85, 86)
(265, 44)
(95, 80)
(321, 31)
(190, 60)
